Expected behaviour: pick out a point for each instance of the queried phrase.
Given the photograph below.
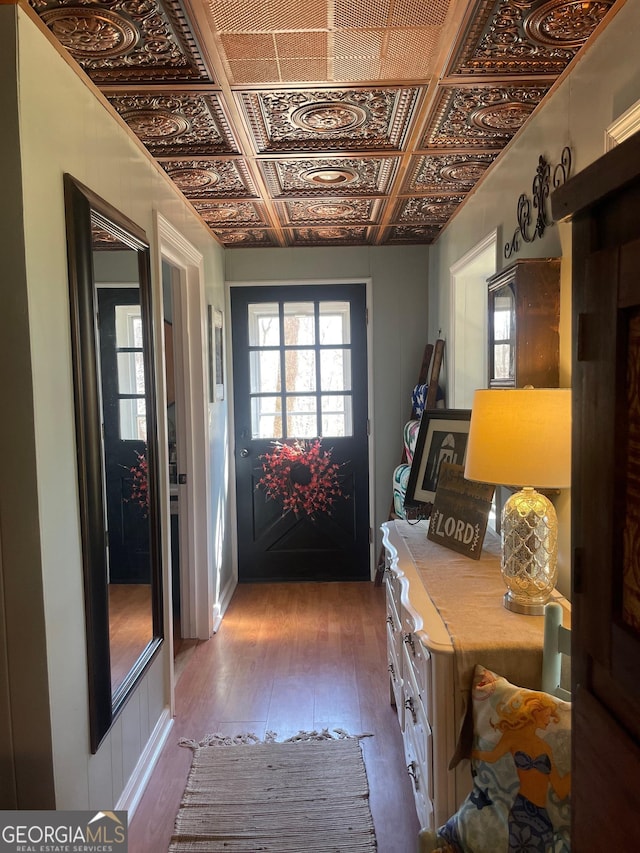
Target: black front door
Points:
(123, 404)
(301, 446)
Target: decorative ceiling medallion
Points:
(464, 173)
(298, 121)
(565, 23)
(194, 179)
(332, 233)
(91, 33)
(328, 211)
(481, 116)
(178, 124)
(325, 177)
(126, 40)
(507, 117)
(210, 178)
(327, 117)
(152, 125)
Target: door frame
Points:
(465, 273)
(368, 283)
(196, 590)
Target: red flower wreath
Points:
(139, 485)
(302, 476)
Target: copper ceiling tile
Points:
(253, 72)
(177, 124)
(123, 41)
(427, 210)
(313, 120)
(335, 235)
(526, 36)
(433, 173)
(301, 44)
(342, 176)
(245, 238)
(211, 178)
(328, 211)
(412, 234)
(301, 70)
(242, 214)
(485, 117)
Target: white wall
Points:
(602, 85)
(399, 316)
(65, 127)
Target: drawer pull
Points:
(411, 770)
(408, 639)
(408, 704)
(390, 620)
(391, 670)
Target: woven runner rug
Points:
(243, 795)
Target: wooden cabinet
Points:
(524, 314)
(434, 594)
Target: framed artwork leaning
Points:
(442, 437)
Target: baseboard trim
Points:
(223, 602)
(134, 789)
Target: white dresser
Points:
(444, 615)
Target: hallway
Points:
(288, 657)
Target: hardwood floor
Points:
(289, 657)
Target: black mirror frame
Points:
(81, 205)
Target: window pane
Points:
(130, 373)
(133, 420)
(335, 324)
(299, 324)
(335, 370)
(336, 415)
(264, 325)
(266, 417)
(503, 361)
(300, 367)
(128, 326)
(301, 417)
(264, 369)
(502, 317)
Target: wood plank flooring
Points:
(289, 657)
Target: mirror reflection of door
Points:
(122, 378)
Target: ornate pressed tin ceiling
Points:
(324, 122)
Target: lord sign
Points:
(460, 512)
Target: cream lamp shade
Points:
(522, 437)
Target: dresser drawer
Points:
(417, 661)
(394, 666)
(419, 755)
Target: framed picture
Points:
(442, 437)
(216, 354)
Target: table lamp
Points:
(522, 437)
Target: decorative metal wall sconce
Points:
(540, 192)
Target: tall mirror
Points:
(112, 343)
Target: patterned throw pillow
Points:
(520, 764)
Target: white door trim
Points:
(192, 386)
(465, 277)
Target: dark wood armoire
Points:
(603, 204)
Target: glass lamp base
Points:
(529, 551)
(522, 607)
